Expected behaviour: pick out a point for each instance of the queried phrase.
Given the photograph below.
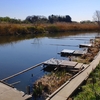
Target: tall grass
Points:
(72, 27)
(11, 29)
(17, 29)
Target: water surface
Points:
(19, 53)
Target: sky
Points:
(78, 10)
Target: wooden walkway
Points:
(70, 86)
(79, 65)
(9, 93)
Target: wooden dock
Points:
(64, 92)
(52, 61)
(67, 52)
(79, 52)
(85, 45)
(9, 93)
(58, 62)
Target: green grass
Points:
(91, 91)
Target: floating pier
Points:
(52, 61)
(79, 52)
(58, 62)
(67, 52)
(85, 45)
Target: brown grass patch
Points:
(13, 29)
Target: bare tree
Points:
(96, 17)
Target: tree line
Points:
(50, 19)
(9, 20)
(38, 19)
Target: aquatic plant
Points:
(37, 90)
(51, 82)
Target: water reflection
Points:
(14, 39)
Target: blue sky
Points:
(79, 10)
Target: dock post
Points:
(28, 89)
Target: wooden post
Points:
(28, 89)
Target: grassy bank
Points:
(91, 91)
(18, 29)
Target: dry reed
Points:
(13, 29)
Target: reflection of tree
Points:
(8, 40)
(13, 39)
(36, 41)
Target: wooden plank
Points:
(78, 66)
(85, 65)
(60, 62)
(53, 61)
(67, 51)
(69, 63)
(79, 52)
(15, 83)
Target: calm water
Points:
(19, 54)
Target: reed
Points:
(53, 81)
(12, 29)
(18, 29)
(72, 27)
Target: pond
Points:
(17, 54)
